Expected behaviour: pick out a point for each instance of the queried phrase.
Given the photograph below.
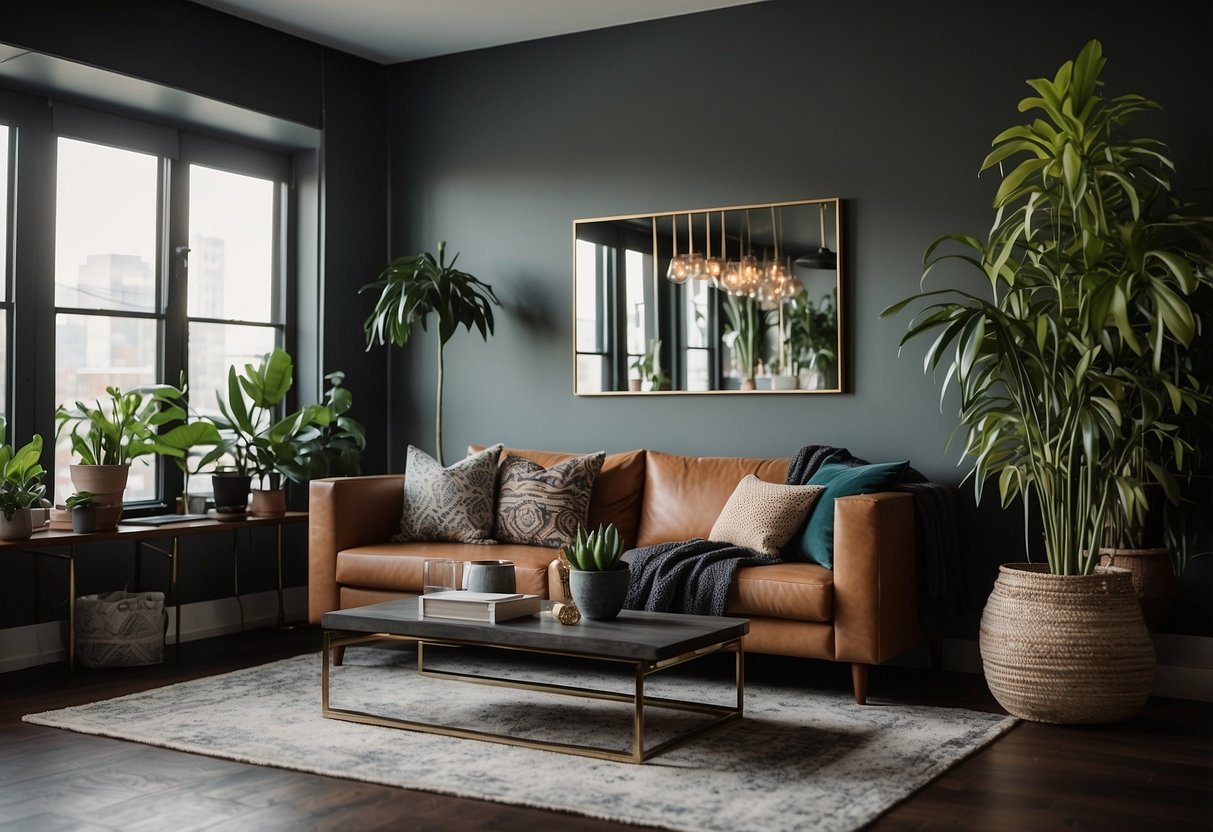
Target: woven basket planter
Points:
(1066, 649)
(1154, 579)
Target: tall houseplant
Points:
(412, 287)
(1070, 370)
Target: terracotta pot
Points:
(1064, 648)
(1154, 580)
(269, 503)
(107, 483)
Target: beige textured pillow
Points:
(763, 516)
(453, 504)
(539, 506)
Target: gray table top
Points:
(634, 635)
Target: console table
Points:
(49, 539)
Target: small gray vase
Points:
(600, 595)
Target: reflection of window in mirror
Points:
(697, 354)
(593, 269)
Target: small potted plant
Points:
(21, 486)
(84, 512)
(648, 367)
(598, 578)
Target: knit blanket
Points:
(694, 576)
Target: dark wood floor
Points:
(1154, 770)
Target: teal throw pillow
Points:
(816, 540)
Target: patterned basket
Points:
(1066, 649)
(120, 629)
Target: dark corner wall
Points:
(889, 105)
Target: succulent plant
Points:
(596, 551)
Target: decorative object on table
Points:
(763, 516)
(466, 605)
(120, 629)
(648, 368)
(598, 578)
(453, 504)
(108, 435)
(413, 286)
(539, 506)
(439, 575)
(1071, 371)
(490, 576)
(21, 486)
(84, 512)
(564, 611)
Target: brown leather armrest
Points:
(875, 577)
(345, 512)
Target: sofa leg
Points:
(859, 681)
(338, 656)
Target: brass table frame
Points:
(643, 669)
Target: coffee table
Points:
(649, 642)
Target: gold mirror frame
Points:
(682, 279)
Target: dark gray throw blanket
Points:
(694, 576)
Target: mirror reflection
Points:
(724, 299)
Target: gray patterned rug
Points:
(801, 759)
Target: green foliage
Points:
(21, 476)
(412, 287)
(80, 499)
(813, 331)
(596, 551)
(125, 426)
(648, 366)
(333, 443)
(745, 327)
(1076, 374)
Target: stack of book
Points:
(488, 607)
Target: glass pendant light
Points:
(713, 267)
(678, 271)
(695, 262)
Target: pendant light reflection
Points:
(823, 258)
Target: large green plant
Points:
(21, 475)
(126, 426)
(1074, 371)
(333, 443)
(745, 325)
(412, 287)
(813, 331)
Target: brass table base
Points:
(643, 669)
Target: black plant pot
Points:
(84, 520)
(231, 492)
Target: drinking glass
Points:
(439, 575)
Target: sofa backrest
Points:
(618, 491)
(683, 495)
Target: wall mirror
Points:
(740, 299)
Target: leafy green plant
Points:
(1075, 372)
(813, 331)
(21, 476)
(412, 287)
(745, 327)
(79, 499)
(648, 366)
(125, 426)
(333, 444)
(257, 444)
(596, 551)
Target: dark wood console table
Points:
(50, 539)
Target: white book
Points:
(486, 607)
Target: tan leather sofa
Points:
(864, 611)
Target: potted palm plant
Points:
(1069, 372)
(412, 287)
(21, 486)
(109, 434)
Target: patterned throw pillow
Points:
(763, 516)
(453, 504)
(539, 506)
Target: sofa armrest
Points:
(345, 512)
(875, 577)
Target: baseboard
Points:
(36, 644)
(1185, 663)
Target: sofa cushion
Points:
(618, 491)
(796, 591)
(683, 495)
(397, 566)
(539, 506)
(453, 504)
(816, 542)
(763, 516)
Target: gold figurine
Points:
(566, 611)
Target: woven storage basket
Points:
(120, 629)
(1154, 579)
(1066, 649)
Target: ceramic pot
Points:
(84, 520)
(231, 492)
(269, 503)
(107, 483)
(17, 527)
(600, 595)
(1067, 649)
(490, 576)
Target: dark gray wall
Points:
(889, 105)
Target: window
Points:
(5, 269)
(165, 261)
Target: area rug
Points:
(800, 759)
